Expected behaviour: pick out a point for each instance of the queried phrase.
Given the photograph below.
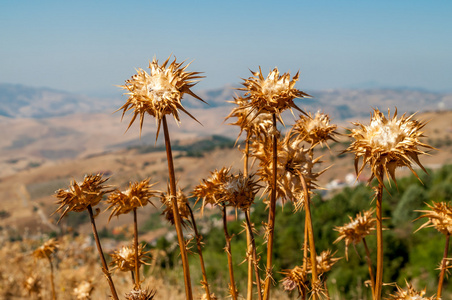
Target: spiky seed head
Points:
(46, 249)
(182, 202)
(257, 126)
(325, 261)
(138, 194)
(33, 284)
(212, 297)
(273, 94)
(240, 191)
(81, 195)
(293, 161)
(409, 294)
(439, 216)
(295, 278)
(357, 229)
(159, 92)
(314, 130)
(387, 143)
(211, 190)
(124, 258)
(83, 290)
(141, 294)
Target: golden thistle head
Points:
(81, 195)
(387, 143)
(159, 92)
(211, 190)
(314, 130)
(439, 216)
(273, 94)
(240, 191)
(357, 229)
(409, 294)
(256, 125)
(138, 194)
(182, 202)
(124, 258)
(325, 261)
(141, 294)
(46, 249)
(293, 162)
(83, 290)
(295, 278)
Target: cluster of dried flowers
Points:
(287, 170)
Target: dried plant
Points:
(45, 252)
(325, 261)
(33, 285)
(211, 190)
(124, 258)
(409, 294)
(314, 130)
(182, 204)
(296, 278)
(83, 290)
(141, 294)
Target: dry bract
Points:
(295, 278)
(124, 258)
(81, 195)
(211, 190)
(409, 294)
(387, 143)
(141, 294)
(46, 250)
(160, 92)
(83, 290)
(439, 216)
(357, 229)
(325, 261)
(137, 195)
(315, 130)
(182, 203)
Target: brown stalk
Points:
(198, 238)
(228, 249)
(310, 233)
(271, 216)
(443, 268)
(52, 283)
(379, 272)
(177, 220)
(249, 294)
(253, 248)
(135, 245)
(305, 255)
(101, 254)
(369, 265)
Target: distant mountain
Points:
(19, 101)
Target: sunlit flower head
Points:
(141, 294)
(357, 229)
(81, 195)
(182, 203)
(409, 294)
(273, 94)
(387, 143)
(138, 194)
(124, 258)
(159, 92)
(293, 161)
(439, 216)
(46, 249)
(314, 130)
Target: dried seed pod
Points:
(439, 216)
(124, 258)
(314, 130)
(409, 294)
(46, 250)
(141, 294)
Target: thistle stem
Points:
(310, 233)
(379, 272)
(369, 265)
(249, 249)
(271, 215)
(233, 289)
(443, 268)
(101, 254)
(305, 255)
(135, 245)
(177, 220)
(198, 238)
(52, 283)
(253, 248)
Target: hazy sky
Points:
(89, 47)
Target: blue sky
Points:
(88, 47)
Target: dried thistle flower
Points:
(293, 161)
(160, 92)
(81, 195)
(409, 294)
(141, 294)
(325, 261)
(439, 216)
(33, 285)
(256, 125)
(182, 203)
(212, 297)
(387, 143)
(357, 229)
(273, 94)
(46, 250)
(124, 258)
(240, 191)
(314, 130)
(211, 190)
(83, 290)
(295, 278)
(137, 195)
